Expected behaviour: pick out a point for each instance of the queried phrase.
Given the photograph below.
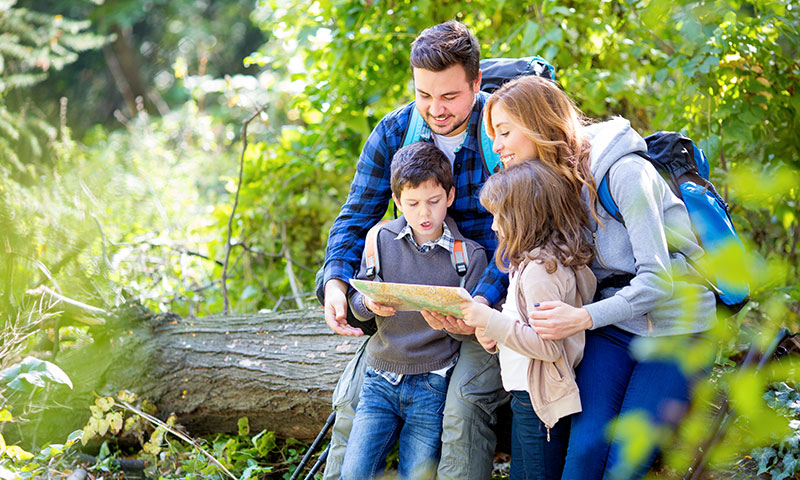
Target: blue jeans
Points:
(533, 456)
(410, 412)
(614, 384)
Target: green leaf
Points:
(244, 426)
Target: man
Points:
(445, 66)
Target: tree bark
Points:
(277, 369)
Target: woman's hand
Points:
(475, 314)
(555, 320)
(377, 308)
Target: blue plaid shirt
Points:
(370, 193)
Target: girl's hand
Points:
(487, 343)
(555, 320)
(377, 308)
(475, 314)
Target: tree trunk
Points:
(277, 369)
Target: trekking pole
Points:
(723, 418)
(322, 459)
(314, 445)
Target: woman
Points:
(641, 288)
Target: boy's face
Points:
(425, 207)
(444, 99)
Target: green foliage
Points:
(782, 459)
(108, 213)
(32, 46)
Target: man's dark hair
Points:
(441, 46)
(417, 163)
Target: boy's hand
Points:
(476, 314)
(487, 343)
(378, 309)
(336, 309)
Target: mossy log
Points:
(277, 369)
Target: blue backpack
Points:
(494, 73)
(685, 168)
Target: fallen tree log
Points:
(277, 369)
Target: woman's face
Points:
(509, 141)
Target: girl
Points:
(642, 287)
(541, 229)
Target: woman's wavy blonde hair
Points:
(535, 207)
(550, 119)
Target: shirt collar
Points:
(446, 241)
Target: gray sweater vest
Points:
(404, 342)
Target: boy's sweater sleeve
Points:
(356, 298)
(538, 286)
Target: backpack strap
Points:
(371, 252)
(604, 192)
(414, 130)
(460, 260)
(607, 201)
(491, 159)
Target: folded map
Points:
(406, 296)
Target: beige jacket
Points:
(551, 371)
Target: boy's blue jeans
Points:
(533, 455)
(410, 411)
(613, 383)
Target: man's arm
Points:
(366, 203)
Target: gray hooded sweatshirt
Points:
(666, 295)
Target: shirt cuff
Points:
(338, 269)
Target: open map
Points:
(405, 296)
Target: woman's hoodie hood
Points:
(611, 141)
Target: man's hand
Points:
(336, 309)
(378, 309)
(555, 320)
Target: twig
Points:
(178, 434)
(41, 289)
(289, 268)
(225, 302)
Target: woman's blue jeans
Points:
(614, 384)
(533, 455)
(409, 412)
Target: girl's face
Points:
(509, 141)
(496, 228)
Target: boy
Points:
(405, 385)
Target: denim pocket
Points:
(436, 384)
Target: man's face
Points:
(425, 207)
(444, 99)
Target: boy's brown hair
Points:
(417, 163)
(441, 46)
(535, 207)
